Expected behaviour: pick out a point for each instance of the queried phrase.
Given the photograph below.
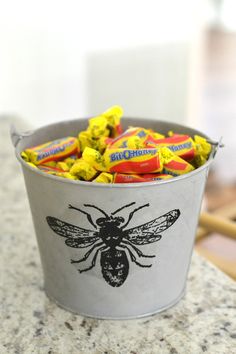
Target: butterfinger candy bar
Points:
(52, 151)
(173, 164)
(125, 160)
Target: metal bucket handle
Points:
(216, 145)
(16, 137)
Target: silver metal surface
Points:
(145, 290)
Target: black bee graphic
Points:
(112, 240)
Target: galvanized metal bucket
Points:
(146, 271)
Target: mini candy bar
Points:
(181, 145)
(107, 124)
(203, 150)
(70, 160)
(83, 170)
(123, 140)
(50, 163)
(127, 178)
(104, 177)
(125, 160)
(173, 164)
(156, 176)
(67, 175)
(113, 116)
(52, 151)
(63, 166)
(98, 127)
(49, 170)
(103, 143)
(31, 164)
(85, 140)
(53, 171)
(133, 160)
(24, 156)
(135, 138)
(132, 178)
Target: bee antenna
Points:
(93, 206)
(84, 212)
(125, 206)
(132, 213)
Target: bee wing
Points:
(148, 233)
(76, 237)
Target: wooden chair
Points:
(221, 221)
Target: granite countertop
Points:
(204, 321)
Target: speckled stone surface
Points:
(204, 321)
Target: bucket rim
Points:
(119, 185)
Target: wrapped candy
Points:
(125, 160)
(52, 151)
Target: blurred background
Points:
(169, 60)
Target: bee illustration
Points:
(112, 240)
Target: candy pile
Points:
(105, 154)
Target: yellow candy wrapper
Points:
(173, 164)
(83, 170)
(113, 116)
(202, 146)
(70, 160)
(63, 166)
(52, 150)
(98, 127)
(104, 177)
(67, 175)
(24, 156)
(31, 164)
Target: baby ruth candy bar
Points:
(52, 151)
(125, 160)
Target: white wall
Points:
(44, 47)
